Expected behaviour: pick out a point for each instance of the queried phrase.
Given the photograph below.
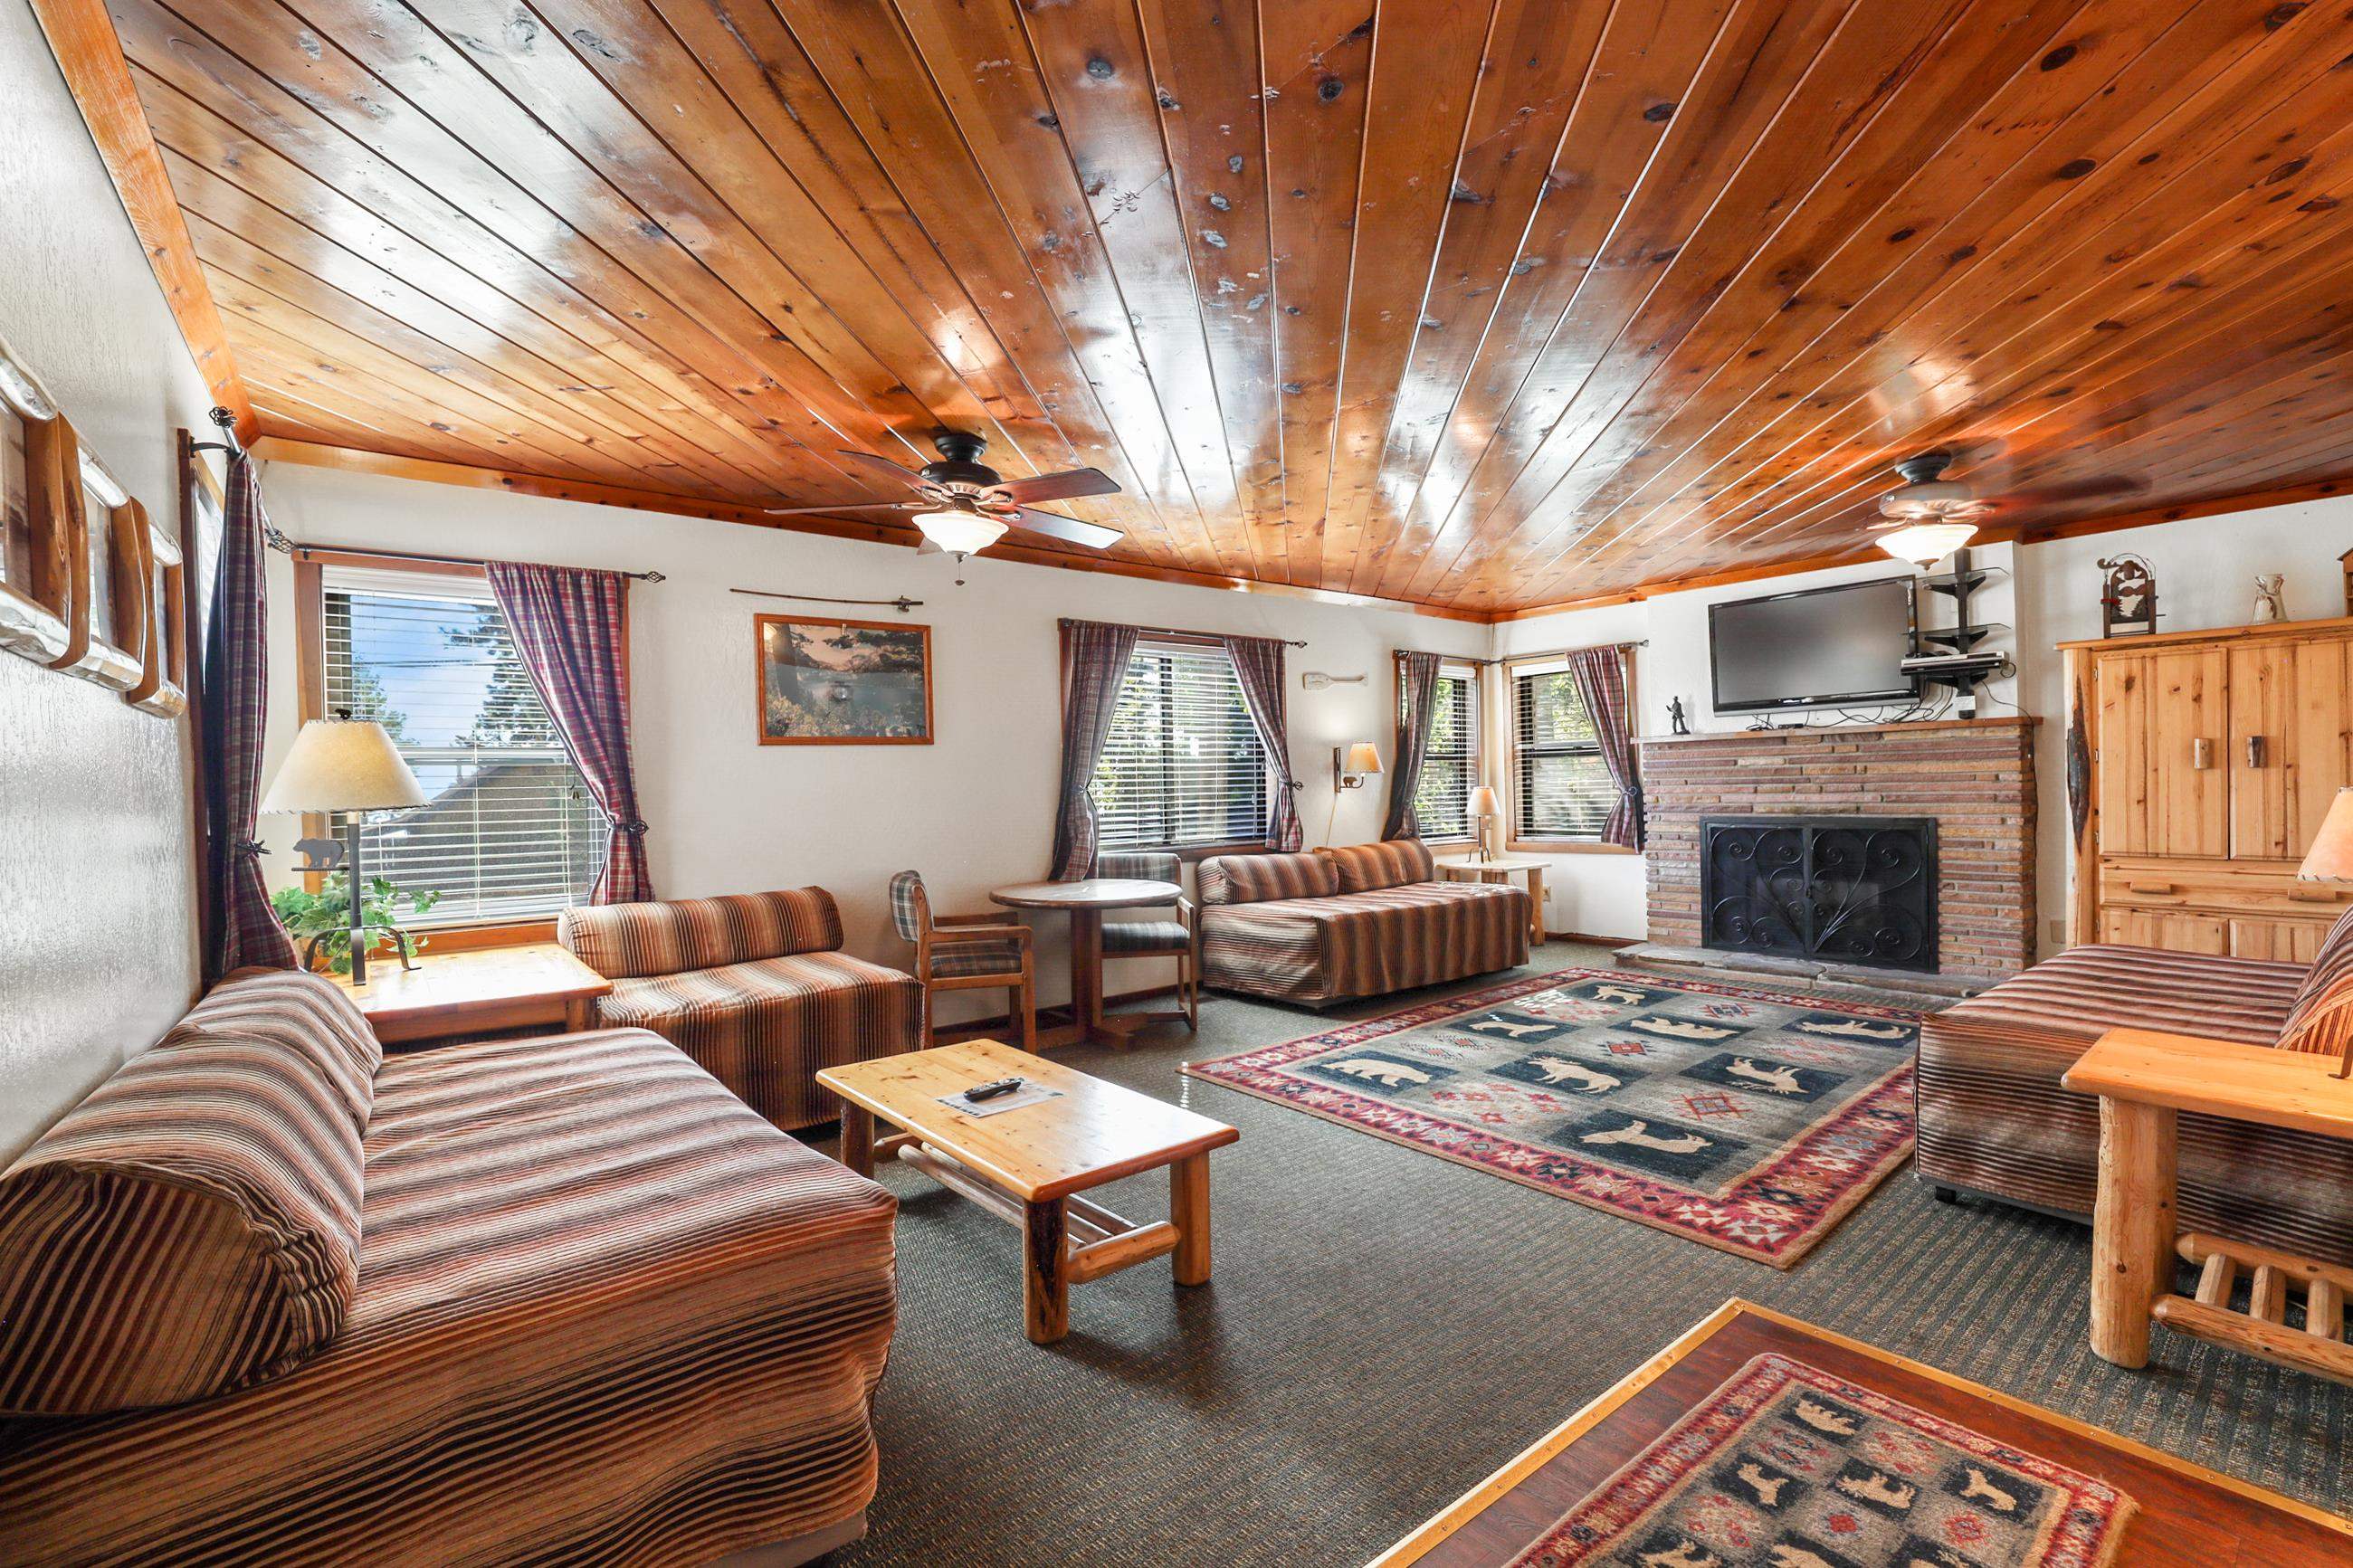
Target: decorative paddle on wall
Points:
(964, 505)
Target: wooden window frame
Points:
(1186, 854)
(1513, 841)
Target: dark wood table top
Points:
(2189, 1516)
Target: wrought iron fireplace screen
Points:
(1844, 889)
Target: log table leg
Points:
(858, 1139)
(1188, 1206)
(1536, 905)
(1045, 1272)
(2132, 1227)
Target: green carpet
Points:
(1386, 1328)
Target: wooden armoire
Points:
(2205, 761)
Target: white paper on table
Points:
(1027, 1094)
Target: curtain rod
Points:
(300, 549)
(1181, 632)
(226, 424)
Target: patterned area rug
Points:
(1784, 1466)
(1747, 1120)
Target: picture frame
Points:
(36, 576)
(833, 683)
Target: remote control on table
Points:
(991, 1090)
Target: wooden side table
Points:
(476, 992)
(1502, 869)
(2145, 1080)
(1085, 901)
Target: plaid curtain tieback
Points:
(635, 827)
(251, 847)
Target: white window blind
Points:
(1564, 790)
(1441, 795)
(508, 831)
(1184, 764)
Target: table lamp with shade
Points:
(1485, 808)
(349, 765)
(2330, 860)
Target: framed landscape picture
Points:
(843, 683)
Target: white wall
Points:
(971, 812)
(97, 930)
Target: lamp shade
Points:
(2330, 859)
(342, 764)
(1363, 757)
(1927, 542)
(1483, 802)
(960, 532)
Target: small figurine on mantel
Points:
(2127, 597)
(1675, 720)
(2271, 607)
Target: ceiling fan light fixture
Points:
(1935, 498)
(959, 532)
(1927, 542)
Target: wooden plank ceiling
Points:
(1483, 304)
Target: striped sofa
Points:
(1361, 920)
(1994, 1121)
(268, 1298)
(752, 987)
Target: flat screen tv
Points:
(1818, 648)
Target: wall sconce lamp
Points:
(1353, 764)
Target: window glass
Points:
(1184, 765)
(1441, 795)
(1564, 790)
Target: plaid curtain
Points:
(571, 629)
(1258, 666)
(1094, 663)
(244, 930)
(1417, 711)
(1601, 679)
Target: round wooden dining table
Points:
(1085, 901)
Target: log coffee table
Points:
(1029, 1164)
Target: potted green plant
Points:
(322, 921)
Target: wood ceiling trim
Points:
(81, 36)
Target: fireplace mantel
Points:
(1974, 778)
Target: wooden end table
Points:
(1086, 902)
(2145, 1080)
(1501, 869)
(1029, 1164)
(476, 992)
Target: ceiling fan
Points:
(1931, 516)
(964, 505)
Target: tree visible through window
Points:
(1184, 765)
(1441, 795)
(508, 831)
(1564, 790)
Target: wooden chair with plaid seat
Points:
(1179, 939)
(965, 952)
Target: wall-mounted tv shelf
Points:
(1961, 638)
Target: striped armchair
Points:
(1362, 921)
(752, 987)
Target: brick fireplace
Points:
(1974, 780)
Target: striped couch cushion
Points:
(625, 941)
(306, 1012)
(1316, 951)
(1993, 1118)
(606, 1315)
(191, 1228)
(1257, 879)
(763, 1028)
(2322, 1019)
(1393, 863)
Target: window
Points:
(508, 831)
(1441, 795)
(1184, 765)
(1564, 790)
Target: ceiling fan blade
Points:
(855, 506)
(2097, 488)
(1093, 535)
(885, 465)
(1069, 485)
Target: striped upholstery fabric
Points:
(1258, 879)
(627, 942)
(605, 1315)
(1133, 939)
(1994, 1119)
(1369, 867)
(957, 960)
(307, 1012)
(1317, 950)
(764, 1027)
(2322, 1019)
(194, 1226)
(1140, 866)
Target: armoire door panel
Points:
(2188, 810)
(2125, 776)
(2316, 758)
(2170, 929)
(2282, 941)
(2263, 680)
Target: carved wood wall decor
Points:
(1483, 306)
